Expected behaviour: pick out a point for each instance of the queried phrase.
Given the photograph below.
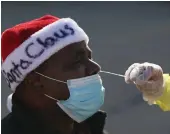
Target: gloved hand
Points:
(148, 78)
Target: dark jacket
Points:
(20, 121)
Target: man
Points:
(57, 89)
(34, 54)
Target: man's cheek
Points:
(64, 92)
(74, 74)
(57, 90)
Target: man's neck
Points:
(47, 121)
(57, 120)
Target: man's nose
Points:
(92, 68)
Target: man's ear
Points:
(33, 81)
(30, 92)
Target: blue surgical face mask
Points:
(86, 97)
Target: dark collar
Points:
(97, 122)
(30, 121)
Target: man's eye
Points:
(77, 62)
(90, 58)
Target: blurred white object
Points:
(9, 103)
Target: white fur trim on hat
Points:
(9, 103)
(39, 47)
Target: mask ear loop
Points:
(51, 97)
(113, 73)
(53, 80)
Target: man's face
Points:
(73, 61)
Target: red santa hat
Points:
(27, 45)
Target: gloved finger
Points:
(150, 87)
(140, 73)
(128, 72)
(143, 73)
(155, 72)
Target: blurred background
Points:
(121, 33)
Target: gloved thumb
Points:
(141, 74)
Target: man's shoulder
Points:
(6, 120)
(7, 124)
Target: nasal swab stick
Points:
(120, 75)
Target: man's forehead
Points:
(72, 49)
(77, 46)
(68, 52)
